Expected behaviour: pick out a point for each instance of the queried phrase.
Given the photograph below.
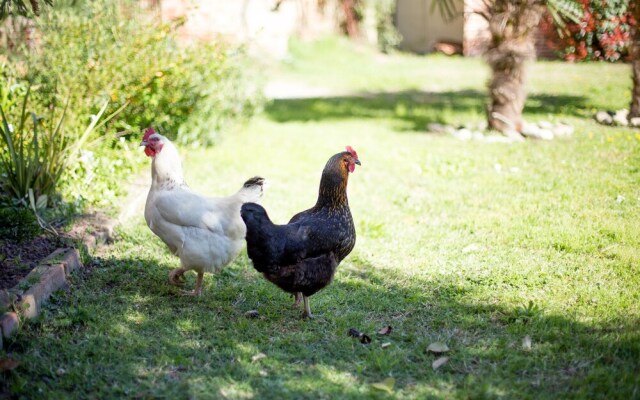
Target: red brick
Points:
(69, 257)
(52, 278)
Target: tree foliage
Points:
(21, 7)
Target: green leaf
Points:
(386, 385)
(42, 202)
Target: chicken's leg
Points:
(298, 297)
(198, 290)
(307, 309)
(176, 276)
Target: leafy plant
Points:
(92, 51)
(34, 155)
(17, 223)
(103, 49)
(388, 36)
(19, 7)
(602, 32)
(526, 312)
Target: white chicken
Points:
(206, 233)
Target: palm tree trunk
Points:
(634, 108)
(351, 21)
(512, 25)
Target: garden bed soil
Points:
(18, 258)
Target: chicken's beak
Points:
(144, 143)
(358, 162)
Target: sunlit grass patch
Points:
(475, 245)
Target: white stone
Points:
(620, 117)
(562, 130)
(545, 124)
(513, 135)
(635, 122)
(478, 136)
(463, 134)
(534, 131)
(546, 134)
(603, 117)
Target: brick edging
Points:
(49, 275)
(52, 271)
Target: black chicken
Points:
(302, 256)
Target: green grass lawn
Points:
(476, 245)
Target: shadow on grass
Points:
(121, 330)
(417, 108)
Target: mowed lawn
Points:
(523, 258)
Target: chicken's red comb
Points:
(148, 132)
(352, 152)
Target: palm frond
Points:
(19, 7)
(563, 11)
(448, 9)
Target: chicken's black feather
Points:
(302, 256)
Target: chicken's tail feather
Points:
(253, 189)
(255, 181)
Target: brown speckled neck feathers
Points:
(333, 184)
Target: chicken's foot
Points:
(307, 309)
(176, 276)
(198, 289)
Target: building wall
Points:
(259, 23)
(421, 27)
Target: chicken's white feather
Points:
(206, 233)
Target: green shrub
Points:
(91, 51)
(18, 223)
(105, 49)
(388, 35)
(35, 149)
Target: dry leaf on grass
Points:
(7, 364)
(439, 362)
(386, 344)
(385, 331)
(386, 385)
(258, 357)
(437, 348)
